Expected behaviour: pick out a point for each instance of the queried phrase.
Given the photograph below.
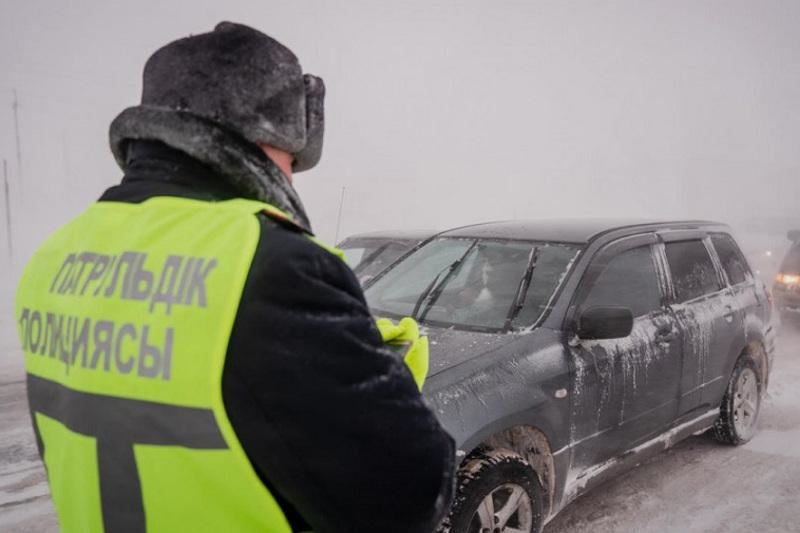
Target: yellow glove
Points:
(406, 333)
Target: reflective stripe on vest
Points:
(124, 316)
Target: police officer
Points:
(196, 360)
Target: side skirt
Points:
(599, 474)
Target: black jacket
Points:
(330, 418)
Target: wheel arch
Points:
(755, 345)
(533, 445)
(757, 350)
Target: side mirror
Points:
(794, 235)
(597, 323)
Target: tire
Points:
(497, 486)
(741, 405)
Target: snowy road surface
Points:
(698, 486)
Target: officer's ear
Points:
(310, 155)
(282, 159)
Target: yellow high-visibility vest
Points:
(124, 316)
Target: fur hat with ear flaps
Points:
(217, 96)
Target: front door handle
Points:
(666, 335)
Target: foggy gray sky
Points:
(442, 113)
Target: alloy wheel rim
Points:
(745, 403)
(507, 509)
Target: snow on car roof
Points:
(573, 230)
(415, 235)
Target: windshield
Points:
(370, 257)
(474, 283)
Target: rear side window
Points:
(628, 280)
(693, 272)
(731, 257)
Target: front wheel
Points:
(498, 492)
(741, 405)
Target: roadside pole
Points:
(339, 217)
(15, 111)
(7, 200)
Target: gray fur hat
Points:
(236, 86)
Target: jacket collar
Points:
(239, 163)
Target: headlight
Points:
(789, 279)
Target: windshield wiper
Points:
(427, 291)
(524, 285)
(434, 289)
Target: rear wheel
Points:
(497, 492)
(741, 405)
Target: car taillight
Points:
(788, 279)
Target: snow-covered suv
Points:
(564, 352)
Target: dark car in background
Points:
(787, 283)
(565, 352)
(369, 254)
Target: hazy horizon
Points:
(441, 115)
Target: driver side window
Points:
(629, 280)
